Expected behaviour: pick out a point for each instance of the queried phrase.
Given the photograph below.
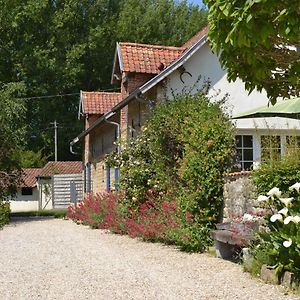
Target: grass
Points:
(56, 213)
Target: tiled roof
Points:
(61, 167)
(151, 59)
(142, 58)
(29, 177)
(99, 102)
(196, 38)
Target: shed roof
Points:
(61, 167)
(29, 177)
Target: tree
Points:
(12, 133)
(257, 42)
(61, 47)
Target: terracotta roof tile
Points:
(61, 167)
(99, 102)
(29, 177)
(196, 38)
(142, 58)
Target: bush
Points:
(4, 213)
(278, 173)
(181, 154)
(98, 211)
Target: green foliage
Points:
(56, 213)
(181, 154)
(12, 132)
(162, 22)
(279, 241)
(30, 159)
(4, 213)
(62, 47)
(252, 38)
(278, 173)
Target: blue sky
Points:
(199, 2)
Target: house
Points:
(53, 186)
(148, 74)
(27, 197)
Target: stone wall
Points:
(239, 195)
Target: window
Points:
(244, 146)
(26, 191)
(293, 142)
(270, 147)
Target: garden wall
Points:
(239, 195)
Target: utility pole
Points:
(55, 139)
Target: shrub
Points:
(98, 211)
(278, 173)
(181, 153)
(4, 213)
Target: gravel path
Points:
(57, 259)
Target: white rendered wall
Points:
(206, 64)
(25, 203)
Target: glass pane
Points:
(248, 165)
(293, 141)
(238, 141)
(265, 141)
(275, 154)
(248, 154)
(239, 154)
(248, 141)
(265, 154)
(275, 142)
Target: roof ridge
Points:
(152, 46)
(193, 40)
(100, 92)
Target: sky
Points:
(199, 2)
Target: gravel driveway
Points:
(57, 259)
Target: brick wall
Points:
(130, 81)
(89, 121)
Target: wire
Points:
(43, 97)
(62, 95)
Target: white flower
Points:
(296, 219)
(134, 199)
(262, 198)
(286, 201)
(295, 186)
(287, 220)
(274, 192)
(247, 217)
(283, 211)
(276, 217)
(287, 244)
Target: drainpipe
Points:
(118, 132)
(118, 151)
(76, 140)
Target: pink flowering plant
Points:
(280, 239)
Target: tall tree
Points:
(59, 47)
(12, 133)
(258, 41)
